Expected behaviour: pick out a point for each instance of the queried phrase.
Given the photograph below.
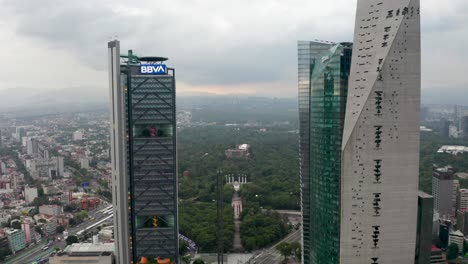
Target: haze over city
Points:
(233, 47)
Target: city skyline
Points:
(278, 25)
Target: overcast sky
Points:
(221, 46)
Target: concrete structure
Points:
(424, 228)
(457, 237)
(464, 126)
(4, 216)
(51, 227)
(30, 194)
(455, 191)
(143, 154)
(31, 146)
(26, 227)
(380, 159)
(20, 133)
(323, 85)
(453, 131)
(16, 239)
(442, 190)
(462, 199)
(46, 167)
(454, 150)
(50, 209)
(78, 135)
(84, 163)
(437, 257)
(444, 232)
(85, 253)
(462, 220)
(240, 152)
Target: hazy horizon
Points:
(217, 51)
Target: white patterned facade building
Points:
(380, 149)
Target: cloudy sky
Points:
(217, 46)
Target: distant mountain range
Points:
(22, 101)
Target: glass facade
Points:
(323, 83)
(152, 196)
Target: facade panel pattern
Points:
(323, 81)
(143, 135)
(380, 159)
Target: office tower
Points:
(442, 190)
(424, 228)
(20, 133)
(323, 85)
(143, 152)
(455, 191)
(462, 220)
(462, 199)
(380, 159)
(464, 126)
(444, 231)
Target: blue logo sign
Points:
(154, 69)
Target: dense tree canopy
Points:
(452, 251)
(71, 240)
(260, 228)
(430, 143)
(271, 171)
(198, 222)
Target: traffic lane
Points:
(19, 258)
(57, 244)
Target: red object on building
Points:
(86, 204)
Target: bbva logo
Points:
(153, 69)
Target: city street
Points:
(34, 253)
(271, 255)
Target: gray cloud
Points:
(212, 42)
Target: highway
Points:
(271, 255)
(32, 254)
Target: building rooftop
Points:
(453, 149)
(244, 147)
(457, 233)
(435, 248)
(90, 248)
(425, 195)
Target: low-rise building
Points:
(437, 257)
(85, 253)
(51, 227)
(240, 152)
(5, 216)
(30, 194)
(50, 209)
(456, 237)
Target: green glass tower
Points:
(323, 86)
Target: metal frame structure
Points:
(150, 170)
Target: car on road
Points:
(45, 248)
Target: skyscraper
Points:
(442, 190)
(424, 228)
(143, 151)
(380, 159)
(323, 85)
